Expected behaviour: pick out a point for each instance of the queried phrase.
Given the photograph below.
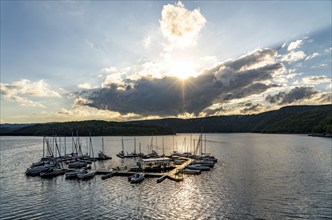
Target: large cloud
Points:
(19, 91)
(169, 96)
(180, 26)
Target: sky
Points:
(133, 60)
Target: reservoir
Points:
(258, 176)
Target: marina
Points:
(77, 165)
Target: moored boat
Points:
(35, 171)
(137, 178)
(192, 172)
(206, 163)
(198, 167)
(77, 164)
(72, 174)
(86, 174)
(102, 156)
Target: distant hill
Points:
(291, 119)
(83, 128)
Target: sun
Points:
(182, 70)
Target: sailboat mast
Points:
(44, 147)
(173, 144)
(163, 147)
(65, 145)
(102, 144)
(191, 142)
(205, 143)
(122, 144)
(135, 145)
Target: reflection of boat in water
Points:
(52, 172)
(137, 178)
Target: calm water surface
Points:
(258, 176)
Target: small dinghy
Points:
(137, 178)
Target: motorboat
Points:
(192, 172)
(206, 163)
(86, 174)
(137, 178)
(72, 174)
(198, 167)
(35, 171)
(77, 164)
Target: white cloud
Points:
(17, 92)
(294, 45)
(179, 26)
(293, 56)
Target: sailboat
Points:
(121, 154)
(101, 154)
(87, 173)
(132, 154)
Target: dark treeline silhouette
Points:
(291, 119)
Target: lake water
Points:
(258, 176)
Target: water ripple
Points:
(257, 177)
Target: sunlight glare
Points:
(183, 70)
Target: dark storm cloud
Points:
(170, 96)
(297, 93)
